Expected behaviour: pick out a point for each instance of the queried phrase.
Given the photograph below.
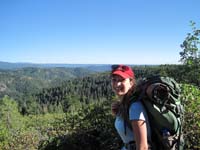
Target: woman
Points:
(137, 134)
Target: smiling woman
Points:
(138, 134)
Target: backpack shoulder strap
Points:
(136, 96)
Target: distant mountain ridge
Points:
(91, 67)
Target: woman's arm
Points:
(140, 133)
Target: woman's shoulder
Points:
(137, 111)
(136, 105)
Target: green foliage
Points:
(88, 127)
(191, 52)
(34, 130)
(81, 90)
(191, 128)
(77, 115)
(20, 82)
(190, 55)
(91, 127)
(10, 119)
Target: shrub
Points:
(191, 127)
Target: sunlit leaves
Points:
(191, 47)
(191, 128)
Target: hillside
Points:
(76, 114)
(16, 83)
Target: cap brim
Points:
(120, 73)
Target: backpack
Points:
(161, 99)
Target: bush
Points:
(91, 128)
(191, 127)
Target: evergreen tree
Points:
(10, 118)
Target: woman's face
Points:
(120, 85)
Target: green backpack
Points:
(161, 99)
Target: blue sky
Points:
(95, 31)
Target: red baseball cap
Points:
(123, 71)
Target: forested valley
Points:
(75, 113)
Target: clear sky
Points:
(95, 31)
